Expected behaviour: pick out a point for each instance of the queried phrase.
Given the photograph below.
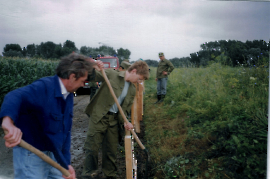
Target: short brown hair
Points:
(141, 67)
(73, 63)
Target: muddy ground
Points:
(79, 130)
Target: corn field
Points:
(19, 72)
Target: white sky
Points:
(145, 27)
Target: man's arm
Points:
(96, 75)
(66, 149)
(171, 67)
(14, 102)
(157, 73)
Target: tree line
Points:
(227, 52)
(50, 50)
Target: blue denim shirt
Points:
(43, 115)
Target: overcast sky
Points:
(145, 27)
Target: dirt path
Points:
(79, 130)
(6, 164)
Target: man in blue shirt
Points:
(41, 114)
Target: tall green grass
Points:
(212, 124)
(18, 72)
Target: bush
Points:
(19, 72)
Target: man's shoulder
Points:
(111, 70)
(166, 60)
(114, 73)
(48, 81)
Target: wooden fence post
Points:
(137, 107)
(128, 152)
(131, 162)
(136, 117)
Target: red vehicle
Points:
(109, 62)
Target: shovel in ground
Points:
(43, 157)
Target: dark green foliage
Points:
(13, 50)
(31, 50)
(225, 113)
(14, 47)
(177, 167)
(240, 133)
(123, 54)
(69, 44)
(47, 49)
(13, 53)
(16, 73)
(229, 52)
(152, 63)
(68, 47)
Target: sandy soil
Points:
(79, 130)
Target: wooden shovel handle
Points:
(43, 156)
(120, 109)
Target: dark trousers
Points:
(105, 134)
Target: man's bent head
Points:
(141, 69)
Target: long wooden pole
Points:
(120, 109)
(43, 156)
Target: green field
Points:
(18, 72)
(212, 124)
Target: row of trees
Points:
(50, 50)
(229, 52)
(45, 50)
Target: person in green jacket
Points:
(165, 67)
(124, 66)
(105, 120)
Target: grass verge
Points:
(212, 123)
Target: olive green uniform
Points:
(164, 65)
(167, 66)
(93, 89)
(104, 126)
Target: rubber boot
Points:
(158, 99)
(162, 98)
